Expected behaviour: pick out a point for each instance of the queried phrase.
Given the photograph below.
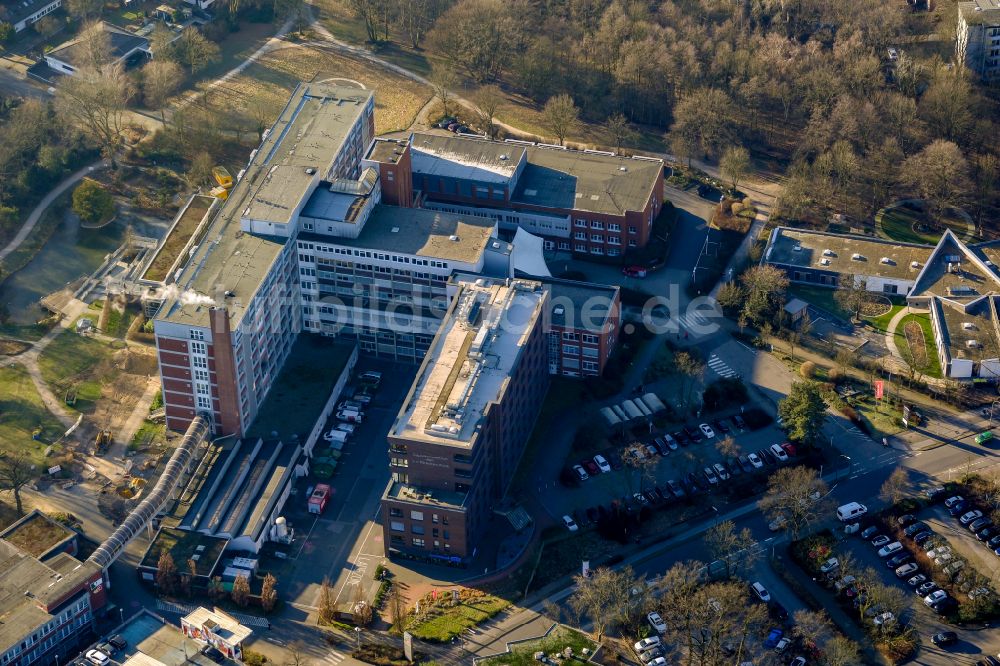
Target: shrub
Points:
(92, 202)
(251, 658)
(835, 375)
(808, 370)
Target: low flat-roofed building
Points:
(215, 628)
(23, 13)
(46, 608)
(462, 427)
(967, 337)
(183, 546)
(150, 640)
(70, 56)
(583, 325)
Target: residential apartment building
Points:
(585, 202)
(977, 43)
(460, 433)
(236, 307)
(23, 13)
(47, 606)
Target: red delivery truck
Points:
(319, 497)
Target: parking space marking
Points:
(720, 367)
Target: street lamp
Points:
(850, 463)
(357, 632)
(992, 410)
(57, 660)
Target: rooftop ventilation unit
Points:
(886, 260)
(824, 262)
(559, 310)
(453, 238)
(857, 257)
(797, 248)
(914, 264)
(829, 253)
(972, 344)
(968, 325)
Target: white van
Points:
(851, 511)
(336, 436)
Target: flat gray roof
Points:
(420, 232)
(589, 182)
(387, 151)
(835, 252)
(74, 52)
(973, 324)
(980, 12)
(26, 582)
(147, 634)
(591, 303)
(452, 499)
(464, 157)
(307, 134)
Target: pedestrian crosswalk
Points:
(720, 367)
(333, 657)
(696, 323)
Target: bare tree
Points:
(735, 164)
(166, 574)
(601, 597)
(620, 130)
(765, 287)
(489, 100)
(736, 550)
(16, 472)
(691, 368)
(327, 609)
(894, 488)
(161, 78)
(813, 627)
(241, 591)
(443, 83)
(95, 43)
(728, 447)
(852, 294)
(85, 9)
(96, 101)
(296, 655)
(561, 116)
(397, 607)
(795, 494)
(842, 651)
(940, 173)
(193, 50)
(269, 593)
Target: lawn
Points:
(881, 323)
(22, 412)
(268, 82)
(824, 299)
(557, 640)
(924, 320)
(149, 433)
(75, 361)
(439, 621)
(903, 224)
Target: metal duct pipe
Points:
(141, 515)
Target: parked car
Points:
(880, 540)
(118, 641)
(782, 645)
(922, 538)
(935, 597)
(986, 533)
(952, 501)
(634, 271)
(869, 532)
(982, 523)
(652, 654)
(694, 434)
(710, 476)
(778, 452)
(351, 416)
(591, 467)
(755, 460)
(906, 570)
(760, 591)
(739, 422)
(721, 472)
(602, 463)
(969, 517)
(773, 636)
(744, 464)
(917, 580)
(640, 498)
(789, 449)
(767, 456)
(581, 473)
(97, 657)
(707, 430)
(935, 493)
(721, 426)
(830, 565)
(906, 519)
(671, 442)
(657, 623)
(883, 619)
(899, 560)
(926, 588)
(646, 643)
(675, 489)
(661, 446)
(959, 509)
(889, 549)
(777, 524)
(944, 638)
(916, 528)
(570, 523)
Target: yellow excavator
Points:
(224, 180)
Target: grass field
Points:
(21, 412)
(268, 82)
(560, 638)
(902, 224)
(924, 321)
(441, 622)
(75, 361)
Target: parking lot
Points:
(644, 466)
(948, 541)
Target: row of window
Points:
(574, 350)
(597, 238)
(598, 250)
(368, 254)
(396, 512)
(597, 224)
(587, 337)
